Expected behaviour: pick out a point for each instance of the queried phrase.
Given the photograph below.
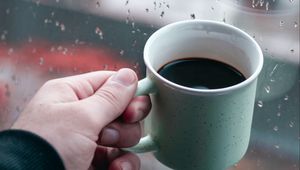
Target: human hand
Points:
(87, 117)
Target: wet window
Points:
(46, 39)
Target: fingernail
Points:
(126, 166)
(124, 76)
(109, 136)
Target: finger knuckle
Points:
(110, 97)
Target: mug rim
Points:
(244, 83)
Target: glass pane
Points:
(44, 39)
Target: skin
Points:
(87, 117)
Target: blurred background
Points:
(46, 39)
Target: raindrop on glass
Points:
(97, 4)
(7, 11)
(147, 9)
(267, 89)
(99, 32)
(275, 128)
(41, 60)
(292, 50)
(212, 8)
(168, 6)
(281, 23)
(57, 1)
(260, 103)
(278, 114)
(267, 6)
(122, 52)
(291, 1)
(127, 2)
(10, 51)
(193, 16)
(162, 14)
(154, 3)
(29, 39)
(295, 24)
(273, 70)
(224, 19)
(286, 97)
(291, 124)
(62, 27)
(276, 146)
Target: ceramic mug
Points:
(199, 128)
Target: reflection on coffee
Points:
(201, 73)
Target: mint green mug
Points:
(192, 128)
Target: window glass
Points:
(46, 39)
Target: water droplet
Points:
(267, 6)
(291, 1)
(46, 21)
(281, 23)
(275, 128)
(57, 1)
(193, 16)
(278, 114)
(279, 106)
(41, 60)
(267, 89)
(212, 8)
(29, 39)
(269, 120)
(260, 103)
(7, 11)
(286, 97)
(291, 124)
(162, 14)
(64, 52)
(136, 65)
(295, 24)
(147, 10)
(276, 146)
(62, 27)
(224, 19)
(145, 34)
(57, 23)
(127, 2)
(97, 4)
(168, 6)
(99, 32)
(292, 50)
(273, 70)
(10, 51)
(122, 52)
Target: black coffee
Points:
(201, 73)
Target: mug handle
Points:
(146, 144)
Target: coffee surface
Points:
(201, 73)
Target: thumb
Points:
(112, 98)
